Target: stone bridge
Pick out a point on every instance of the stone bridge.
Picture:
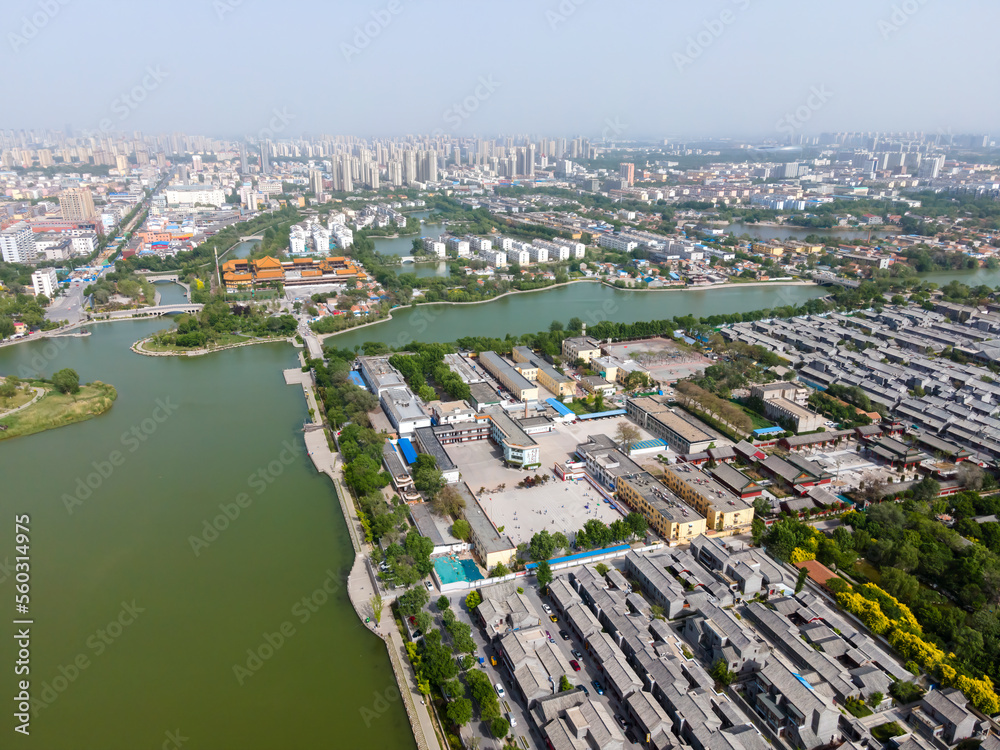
(150, 312)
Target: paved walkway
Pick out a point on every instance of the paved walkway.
(362, 582)
(39, 392)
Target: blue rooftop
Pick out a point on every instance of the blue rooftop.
(602, 414)
(559, 407)
(768, 430)
(406, 447)
(355, 377)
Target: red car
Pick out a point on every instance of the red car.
(575, 664)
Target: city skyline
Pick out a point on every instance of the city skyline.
(735, 68)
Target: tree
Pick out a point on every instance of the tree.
(721, 674)
(461, 528)
(500, 727)
(8, 389)
(424, 620)
(602, 569)
(800, 582)
(543, 574)
(971, 475)
(542, 546)
(560, 540)
(413, 600)
(443, 603)
(872, 489)
(6, 327)
(66, 381)
(499, 570)
(926, 490)
(627, 435)
(448, 501)
(761, 507)
(377, 604)
(459, 711)
(473, 600)
(565, 684)
(637, 524)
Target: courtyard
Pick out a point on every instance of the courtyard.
(665, 360)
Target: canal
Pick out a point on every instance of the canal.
(174, 539)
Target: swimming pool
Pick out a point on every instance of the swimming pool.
(450, 570)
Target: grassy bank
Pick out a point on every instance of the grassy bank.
(59, 409)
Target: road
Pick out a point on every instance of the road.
(68, 306)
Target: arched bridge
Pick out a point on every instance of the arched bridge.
(151, 312)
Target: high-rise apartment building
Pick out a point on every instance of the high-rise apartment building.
(77, 204)
(17, 243)
(627, 172)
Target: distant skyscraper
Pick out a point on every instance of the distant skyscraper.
(77, 204)
(396, 173)
(243, 159)
(316, 183)
(346, 180)
(265, 166)
(410, 167)
(627, 172)
(529, 160)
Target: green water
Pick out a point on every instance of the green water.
(591, 302)
(170, 668)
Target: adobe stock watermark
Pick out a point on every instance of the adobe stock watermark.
(99, 642)
(131, 440)
(900, 16)
(613, 128)
(561, 13)
(461, 111)
(126, 103)
(301, 612)
(381, 702)
(365, 34)
(259, 481)
(224, 7)
(794, 121)
(42, 358)
(32, 25)
(277, 124)
(714, 28)
(174, 740)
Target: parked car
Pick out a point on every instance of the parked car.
(575, 664)
(500, 691)
(576, 654)
(597, 687)
(547, 608)
(553, 618)
(564, 635)
(511, 719)
(585, 691)
(417, 634)
(621, 722)
(551, 639)
(429, 585)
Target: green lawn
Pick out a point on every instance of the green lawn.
(58, 409)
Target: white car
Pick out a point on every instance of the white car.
(500, 691)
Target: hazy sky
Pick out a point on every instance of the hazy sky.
(631, 69)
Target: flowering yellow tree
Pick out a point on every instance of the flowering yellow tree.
(801, 555)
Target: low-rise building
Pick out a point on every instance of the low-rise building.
(580, 348)
(679, 432)
(404, 410)
(723, 510)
